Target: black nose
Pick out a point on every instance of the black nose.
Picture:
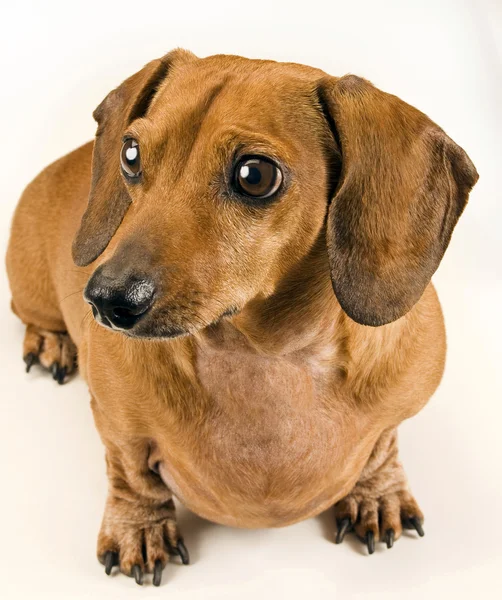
(119, 301)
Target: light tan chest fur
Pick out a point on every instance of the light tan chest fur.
(279, 437)
(241, 438)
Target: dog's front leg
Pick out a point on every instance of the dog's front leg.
(380, 504)
(139, 530)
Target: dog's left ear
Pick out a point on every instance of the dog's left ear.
(403, 185)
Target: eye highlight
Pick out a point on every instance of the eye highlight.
(130, 158)
(257, 177)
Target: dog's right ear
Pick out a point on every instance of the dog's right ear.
(402, 188)
(108, 198)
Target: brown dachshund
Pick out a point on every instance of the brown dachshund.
(254, 242)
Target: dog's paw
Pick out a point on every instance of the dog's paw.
(55, 351)
(139, 548)
(376, 519)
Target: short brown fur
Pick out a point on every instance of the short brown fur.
(287, 405)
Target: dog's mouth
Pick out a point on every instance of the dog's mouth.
(152, 329)
(156, 324)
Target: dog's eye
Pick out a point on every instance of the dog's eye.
(129, 158)
(257, 177)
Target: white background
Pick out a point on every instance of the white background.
(58, 60)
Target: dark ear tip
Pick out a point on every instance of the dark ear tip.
(80, 254)
(371, 319)
(79, 262)
(368, 311)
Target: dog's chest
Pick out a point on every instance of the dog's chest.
(260, 407)
(270, 445)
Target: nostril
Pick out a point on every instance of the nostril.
(122, 313)
(127, 316)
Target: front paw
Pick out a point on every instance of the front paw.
(377, 517)
(139, 539)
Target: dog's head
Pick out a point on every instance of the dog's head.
(213, 177)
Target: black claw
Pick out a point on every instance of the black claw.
(389, 537)
(415, 522)
(30, 360)
(137, 574)
(342, 527)
(58, 373)
(370, 541)
(183, 552)
(62, 375)
(157, 573)
(55, 370)
(109, 561)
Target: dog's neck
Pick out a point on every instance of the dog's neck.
(302, 316)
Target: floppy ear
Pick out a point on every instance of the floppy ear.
(108, 198)
(403, 185)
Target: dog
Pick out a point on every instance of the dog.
(242, 258)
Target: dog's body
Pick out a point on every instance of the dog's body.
(277, 404)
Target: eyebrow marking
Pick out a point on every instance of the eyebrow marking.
(197, 115)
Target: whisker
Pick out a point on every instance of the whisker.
(79, 271)
(86, 315)
(69, 295)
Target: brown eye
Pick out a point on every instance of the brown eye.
(129, 158)
(257, 177)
